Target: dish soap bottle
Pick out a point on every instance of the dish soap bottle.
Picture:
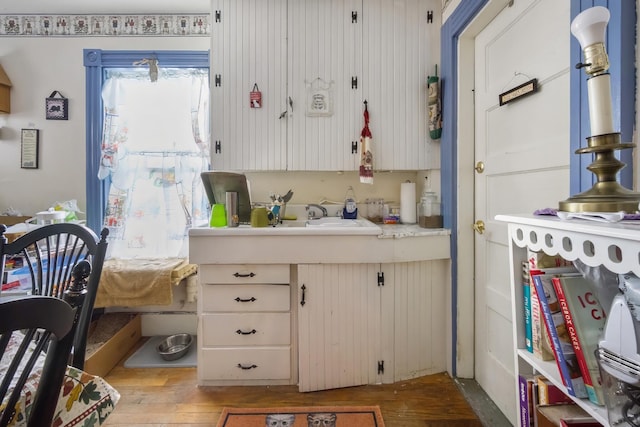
(350, 210)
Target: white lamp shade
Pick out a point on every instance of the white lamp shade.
(590, 25)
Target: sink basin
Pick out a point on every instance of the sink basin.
(337, 222)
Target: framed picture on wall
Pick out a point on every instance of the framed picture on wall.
(29, 149)
(57, 108)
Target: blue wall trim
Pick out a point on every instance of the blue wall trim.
(449, 37)
(621, 50)
(95, 61)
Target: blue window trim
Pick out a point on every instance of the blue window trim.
(95, 61)
(621, 50)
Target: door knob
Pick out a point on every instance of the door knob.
(479, 167)
(479, 226)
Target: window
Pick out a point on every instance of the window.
(152, 144)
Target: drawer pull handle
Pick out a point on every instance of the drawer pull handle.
(303, 302)
(252, 299)
(241, 332)
(244, 275)
(246, 368)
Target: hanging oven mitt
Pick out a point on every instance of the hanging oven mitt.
(435, 113)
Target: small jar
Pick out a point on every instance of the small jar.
(429, 211)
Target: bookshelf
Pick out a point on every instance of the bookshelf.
(615, 246)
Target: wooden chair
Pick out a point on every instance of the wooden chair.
(50, 253)
(39, 324)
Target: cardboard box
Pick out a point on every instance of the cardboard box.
(104, 358)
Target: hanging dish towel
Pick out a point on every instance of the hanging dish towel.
(366, 157)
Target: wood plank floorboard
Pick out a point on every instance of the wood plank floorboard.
(155, 397)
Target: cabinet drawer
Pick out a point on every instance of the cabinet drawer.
(239, 329)
(243, 298)
(244, 273)
(267, 363)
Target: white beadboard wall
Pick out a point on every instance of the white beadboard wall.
(254, 35)
(325, 44)
(401, 51)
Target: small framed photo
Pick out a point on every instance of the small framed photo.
(57, 108)
(29, 149)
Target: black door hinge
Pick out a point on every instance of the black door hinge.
(354, 16)
(354, 82)
(354, 147)
(218, 15)
(430, 17)
(381, 367)
(381, 278)
(218, 147)
(218, 80)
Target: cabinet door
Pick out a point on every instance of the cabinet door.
(419, 321)
(325, 47)
(338, 325)
(401, 49)
(249, 47)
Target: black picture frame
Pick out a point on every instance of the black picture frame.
(57, 108)
(29, 148)
(518, 92)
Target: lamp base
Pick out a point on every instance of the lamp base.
(608, 196)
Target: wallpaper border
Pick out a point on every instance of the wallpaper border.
(105, 25)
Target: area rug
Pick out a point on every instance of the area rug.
(303, 416)
(147, 356)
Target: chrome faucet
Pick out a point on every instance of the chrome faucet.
(312, 213)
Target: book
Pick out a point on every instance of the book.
(549, 393)
(525, 390)
(540, 341)
(526, 301)
(550, 416)
(579, 422)
(585, 320)
(562, 348)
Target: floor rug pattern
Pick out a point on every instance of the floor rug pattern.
(303, 416)
(147, 356)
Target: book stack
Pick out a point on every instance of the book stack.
(574, 320)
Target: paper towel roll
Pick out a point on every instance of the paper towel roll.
(408, 202)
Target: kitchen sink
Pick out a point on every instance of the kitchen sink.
(328, 222)
(338, 222)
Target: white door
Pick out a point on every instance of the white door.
(524, 146)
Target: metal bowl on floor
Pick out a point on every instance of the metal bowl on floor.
(175, 346)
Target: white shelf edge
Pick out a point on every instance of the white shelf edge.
(549, 370)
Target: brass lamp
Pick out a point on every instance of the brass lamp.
(606, 195)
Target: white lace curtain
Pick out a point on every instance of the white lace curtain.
(154, 147)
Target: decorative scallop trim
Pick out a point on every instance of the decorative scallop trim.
(105, 25)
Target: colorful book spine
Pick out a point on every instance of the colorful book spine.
(528, 331)
(539, 337)
(525, 388)
(554, 322)
(585, 320)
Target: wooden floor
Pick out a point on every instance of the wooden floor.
(171, 397)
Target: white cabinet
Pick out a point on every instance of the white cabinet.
(248, 47)
(335, 52)
(244, 326)
(614, 246)
(401, 48)
(370, 323)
